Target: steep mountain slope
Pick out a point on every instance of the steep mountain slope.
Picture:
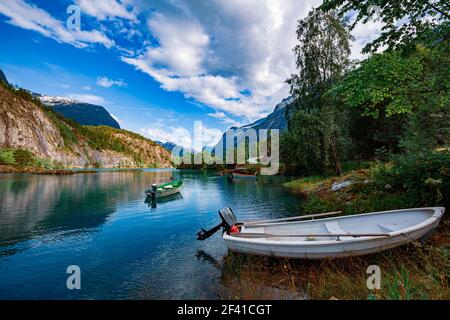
(3, 78)
(170, 146)
(278, 119)
(26, 124)
(84, 113)
(167, 145)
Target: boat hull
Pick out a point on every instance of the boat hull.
(164, 193)
(243, 176)
(331, 248)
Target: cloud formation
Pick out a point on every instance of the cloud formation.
(182, 136)
(30, 17)
(231, 56)
(107, 9)
(214, 51)
(179, 135)
(87, 98)
(105, 82)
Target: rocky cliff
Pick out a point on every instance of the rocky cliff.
(25, 124)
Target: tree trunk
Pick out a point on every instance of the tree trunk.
(337, 162)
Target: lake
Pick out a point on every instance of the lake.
(125, 248)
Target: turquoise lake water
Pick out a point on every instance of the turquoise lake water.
(125, 248)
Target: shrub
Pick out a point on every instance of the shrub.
(24, 157)
(7, 157)
(424, 176)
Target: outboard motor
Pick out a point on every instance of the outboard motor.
(229, 224)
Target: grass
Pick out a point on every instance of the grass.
(413, 271)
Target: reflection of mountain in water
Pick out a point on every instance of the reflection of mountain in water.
(34, 205)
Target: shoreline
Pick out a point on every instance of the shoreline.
(66, 171)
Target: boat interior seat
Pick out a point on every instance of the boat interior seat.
(388, 227)
(334, 227)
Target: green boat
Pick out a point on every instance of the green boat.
(165, 190)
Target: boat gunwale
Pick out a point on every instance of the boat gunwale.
(438, 212)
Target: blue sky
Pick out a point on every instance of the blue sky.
(158, 66)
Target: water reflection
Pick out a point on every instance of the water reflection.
(32, 205)
(152, 202)
(102, 223)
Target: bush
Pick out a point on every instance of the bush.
(424, 176)
(7, 157)
(24, 157)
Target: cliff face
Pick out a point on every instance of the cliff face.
(25, 125)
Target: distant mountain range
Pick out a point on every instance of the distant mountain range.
(278, 119)
(170, 146)
(84, 113)
(167, 145)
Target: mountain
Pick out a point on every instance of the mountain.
(25, 123)
(3, 78)
(167, 145)
(84, 113)
(278, 119)
(170, 146)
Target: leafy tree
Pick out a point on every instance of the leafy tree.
(402, 20)
(322, 53)
(24, 157)
(413, 81)
(322, 59)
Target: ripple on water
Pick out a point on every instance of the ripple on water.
(124, 248)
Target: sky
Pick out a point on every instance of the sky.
(159, 65)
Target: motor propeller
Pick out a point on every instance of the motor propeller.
(228, 222)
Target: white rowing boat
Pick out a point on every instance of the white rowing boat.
(329, 237)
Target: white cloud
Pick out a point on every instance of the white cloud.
(182, 46)
(30, 17)
(88, 98)
(107, 83)
(178, 135)
(182, 137)
(225, 119)
(107, 9)
(211, 136)
(213, 50)
(119, 121)
(87, 88)
(364, 33)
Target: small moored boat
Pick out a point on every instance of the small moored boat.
(241, 175)
(326, 237)
(166, 189)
